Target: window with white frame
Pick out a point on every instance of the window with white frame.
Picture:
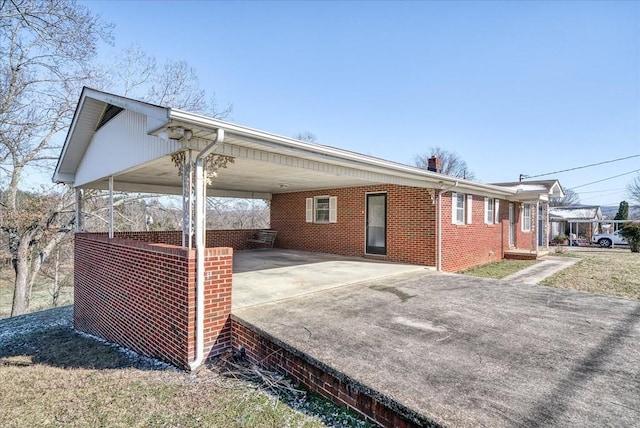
(489, 210)
(496, 209)
(458, 210)
(526, 217)
(322, 209)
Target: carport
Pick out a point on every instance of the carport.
(172, 284)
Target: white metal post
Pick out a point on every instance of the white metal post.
(79, 211)
(110, 206)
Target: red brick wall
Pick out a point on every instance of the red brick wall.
(322, 379)
(411, 227)
(468, 245)
(142, 296)
(236, 239)
(171, 237)
(411, 220)
(523, 239)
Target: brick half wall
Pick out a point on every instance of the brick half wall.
(316, 376)
(233, 238)
(142, 296)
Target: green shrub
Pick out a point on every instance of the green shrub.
(631, 232)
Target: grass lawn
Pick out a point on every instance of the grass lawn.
(52, 376)
(499, 270)
(41, 295)
(614, 272)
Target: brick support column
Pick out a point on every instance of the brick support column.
(142, 296)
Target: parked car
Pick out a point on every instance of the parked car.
(606, 239)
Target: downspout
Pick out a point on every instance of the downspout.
(200, 225)
(439, 226)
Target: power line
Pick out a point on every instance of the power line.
(582, 167)
(605, 179)
(605, 190)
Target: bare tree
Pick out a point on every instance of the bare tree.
(174, 84)
(571, 197)
(237, 213)
(450, 163)
(307, 136)
(634, 188)
(46, 52)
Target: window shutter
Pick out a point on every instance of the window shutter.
(469, 209)
(487, 220)
(333, 209)
(496, 210)
(454, 201)
(309, 210)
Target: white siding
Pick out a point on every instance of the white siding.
(120, 145)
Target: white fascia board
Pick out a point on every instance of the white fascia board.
(65, 146)
(530, 196)
(126, 186)
(334, 155)
(123, 186)
(60, 177)
(556, 190)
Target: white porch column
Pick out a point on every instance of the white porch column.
(535, 225)
(187, 200)
(110, 206)
(79, 211)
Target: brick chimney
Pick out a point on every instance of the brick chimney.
(433, 164)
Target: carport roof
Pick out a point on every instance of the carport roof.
(133, 141)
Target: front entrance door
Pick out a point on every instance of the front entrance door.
(512, 224)
(376, 229)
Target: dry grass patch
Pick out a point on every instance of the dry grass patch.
(499, 270)
(611, 272)
(52, 376)
(41, 295)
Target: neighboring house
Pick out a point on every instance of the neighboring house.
(321, 199)
(539, 206)
(581, 220)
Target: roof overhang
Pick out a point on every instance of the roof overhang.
(532, 191)
(135, 147)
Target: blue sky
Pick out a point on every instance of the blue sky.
(512, 87)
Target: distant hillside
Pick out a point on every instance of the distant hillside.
(609, 211)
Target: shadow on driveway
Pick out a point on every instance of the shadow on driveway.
(549, 409)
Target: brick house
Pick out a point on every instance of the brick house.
(322, 199)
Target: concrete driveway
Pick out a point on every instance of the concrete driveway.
(261, 276)
(472, 352)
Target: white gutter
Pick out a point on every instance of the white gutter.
(327, 153)
(200, 226)
(439, 227)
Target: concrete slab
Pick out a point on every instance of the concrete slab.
(541, 270)
(470, 352)
(269, 275)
